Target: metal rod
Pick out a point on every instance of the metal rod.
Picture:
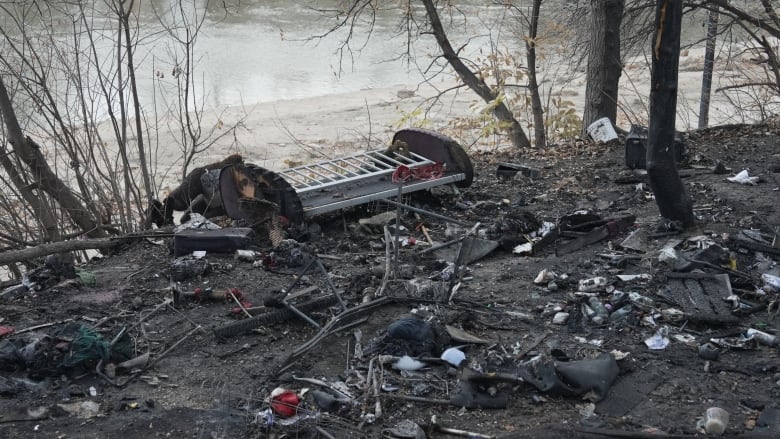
(460, 265)
(300, 314)
(300, 275)
(330, 284)
(425, 212)
(397, 228)
(443, 245)
(372, 164)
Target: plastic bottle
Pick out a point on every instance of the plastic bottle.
(600, 312)
(762, 337)
(621, 313)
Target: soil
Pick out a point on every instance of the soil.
(202, 386)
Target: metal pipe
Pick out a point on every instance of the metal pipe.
(443, 245)
(425, 212)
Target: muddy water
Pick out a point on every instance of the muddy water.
(265, 51)
(268, 50)
(252, 51)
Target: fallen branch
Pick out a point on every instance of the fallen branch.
(457, 432)
(11, 256)
(605, 432)
(44, 325)
(417, 399)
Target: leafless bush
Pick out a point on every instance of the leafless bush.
(69, 69)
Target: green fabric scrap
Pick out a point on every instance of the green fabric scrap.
(87, 277)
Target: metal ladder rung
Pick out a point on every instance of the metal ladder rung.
(293, 179)
(307, 178)
(370, 164)
(423, 160)
(345, 166)
(321, 175)
(323, 172)
(384, 158)
(362, 166)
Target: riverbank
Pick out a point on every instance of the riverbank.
(275, 134)
(279, 134)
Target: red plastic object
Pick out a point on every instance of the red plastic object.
(403, 173)
(5, 330)
(236, 292)
(285, 404)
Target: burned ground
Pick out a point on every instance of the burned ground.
(198, 385)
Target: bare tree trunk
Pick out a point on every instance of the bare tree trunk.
(38, 204)
(670, 195)
(709, 62)
(604, 64)
(29, 152)
(533, 85)
(139, 135)
(501, 111)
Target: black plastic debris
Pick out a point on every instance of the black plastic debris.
(636, 147)
(410, 336)
(472, 396)
(514, 227)
(218, 241)
(508, 171)
(328, 402)
(712, 255)
(473, 250)
(410, 328)
(593, 377)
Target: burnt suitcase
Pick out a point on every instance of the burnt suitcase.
(216, 241)
(636, 147)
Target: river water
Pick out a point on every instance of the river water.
(255, 51)
(265, 51)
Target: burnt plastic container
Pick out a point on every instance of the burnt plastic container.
(636, 147)
(216, 241)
